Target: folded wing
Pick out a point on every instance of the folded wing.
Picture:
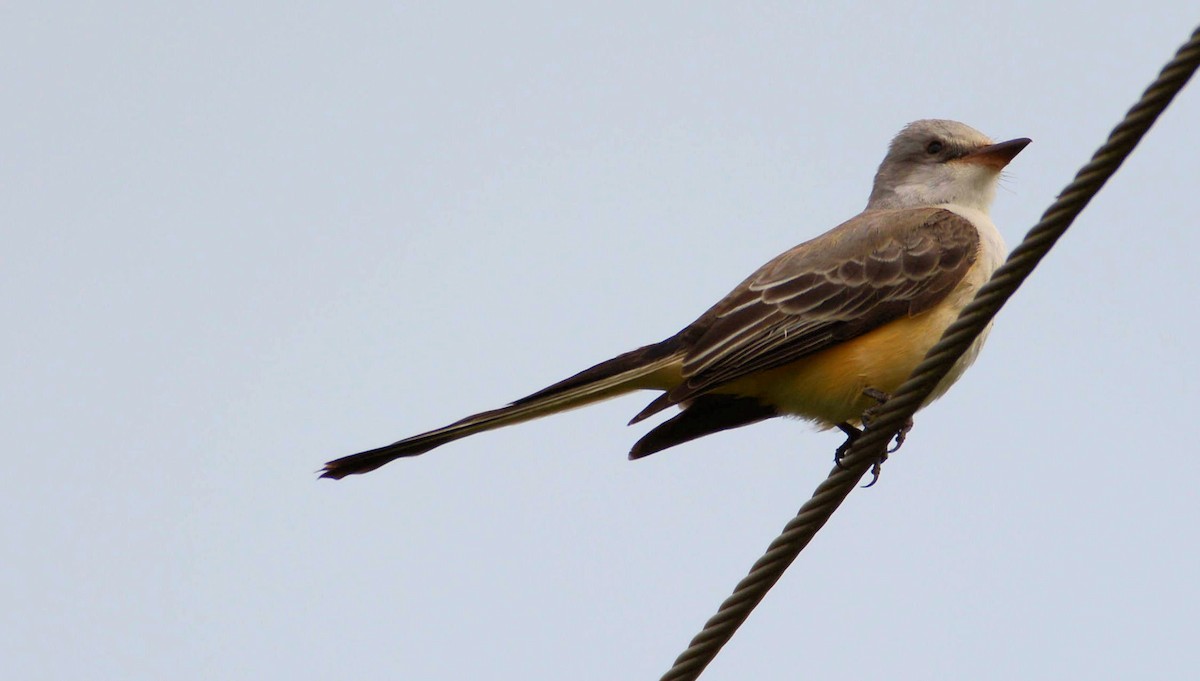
(878, 267)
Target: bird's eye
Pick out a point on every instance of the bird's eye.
(934, 147)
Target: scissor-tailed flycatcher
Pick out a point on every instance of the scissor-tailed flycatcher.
(816, 331)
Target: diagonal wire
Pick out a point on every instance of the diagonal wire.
(974, 318)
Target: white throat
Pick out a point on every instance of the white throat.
(961, 184)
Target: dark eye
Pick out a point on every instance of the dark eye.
(934, 147)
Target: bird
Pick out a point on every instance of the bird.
(823, 332)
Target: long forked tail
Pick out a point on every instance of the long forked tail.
(641, 368)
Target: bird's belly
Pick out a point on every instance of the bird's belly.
(827, 387)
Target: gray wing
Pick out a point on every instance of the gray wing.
(878, 267)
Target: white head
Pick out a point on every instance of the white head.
(935, 162)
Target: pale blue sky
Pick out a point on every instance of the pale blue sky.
(241, 241)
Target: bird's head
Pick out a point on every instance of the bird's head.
(934, 162)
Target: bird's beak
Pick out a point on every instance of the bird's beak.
(996, 156)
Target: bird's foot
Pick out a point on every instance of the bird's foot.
(869, 415)
(852, 434)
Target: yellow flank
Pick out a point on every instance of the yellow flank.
(827, 387)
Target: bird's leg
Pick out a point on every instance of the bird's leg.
(852, 434)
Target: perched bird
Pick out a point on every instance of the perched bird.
(822, 332)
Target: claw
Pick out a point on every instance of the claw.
(876, 469)
(901, 435)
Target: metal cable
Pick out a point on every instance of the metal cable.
(974, 318)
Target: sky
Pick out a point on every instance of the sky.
(242, 239)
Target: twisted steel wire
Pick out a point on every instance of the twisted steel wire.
(871, 446)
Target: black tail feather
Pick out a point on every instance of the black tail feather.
(705, 415)
(619, 375)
